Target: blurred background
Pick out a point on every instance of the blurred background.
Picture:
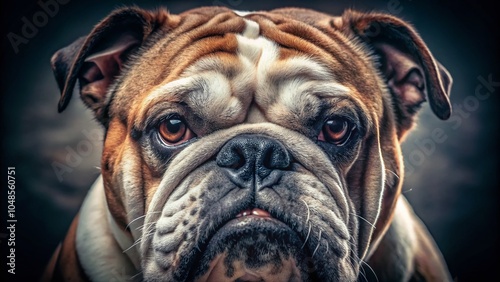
(452, 183)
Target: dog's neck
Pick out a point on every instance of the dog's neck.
(106, 252)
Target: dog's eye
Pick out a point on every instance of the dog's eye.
(174, 131)
(336, 130)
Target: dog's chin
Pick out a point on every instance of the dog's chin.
(253, 248)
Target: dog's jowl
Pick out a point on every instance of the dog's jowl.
(250, 146)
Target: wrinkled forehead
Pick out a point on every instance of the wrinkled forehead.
(247, 67)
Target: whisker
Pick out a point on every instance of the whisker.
(409, 190)
(319, 243)
(308, 210)
(371, 269)
(362, 272)
(134, 220)
(146, 235)
(361, 262)
(307, 237)
(139, 217)
(144, 225)
(134, 276)
(393, 173)
(138, 241)
(364, 219)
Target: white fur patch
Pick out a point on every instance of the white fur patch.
(242, 13)
(252, 29)
(98, 250)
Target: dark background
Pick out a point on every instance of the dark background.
(453, 185)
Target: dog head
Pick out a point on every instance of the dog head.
(261, 145)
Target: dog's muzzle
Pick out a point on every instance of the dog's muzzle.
(244, 215)
(254, 246)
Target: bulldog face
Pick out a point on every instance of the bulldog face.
(252, 146)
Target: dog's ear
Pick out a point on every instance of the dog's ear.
(95, 61)
(411, 72)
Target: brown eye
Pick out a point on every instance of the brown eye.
(336, 131)
(174, 131)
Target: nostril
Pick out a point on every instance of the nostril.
(238, 160)
(233, 158)
(275, 157)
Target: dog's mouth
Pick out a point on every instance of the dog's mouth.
(240, 242)
(252, 246)
(254, 212)
(245, 243)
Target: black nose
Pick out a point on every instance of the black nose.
(249, 157)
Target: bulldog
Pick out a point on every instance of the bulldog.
(250, 146)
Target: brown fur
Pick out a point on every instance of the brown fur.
(64, 264)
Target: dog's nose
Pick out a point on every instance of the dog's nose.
(254, 157)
